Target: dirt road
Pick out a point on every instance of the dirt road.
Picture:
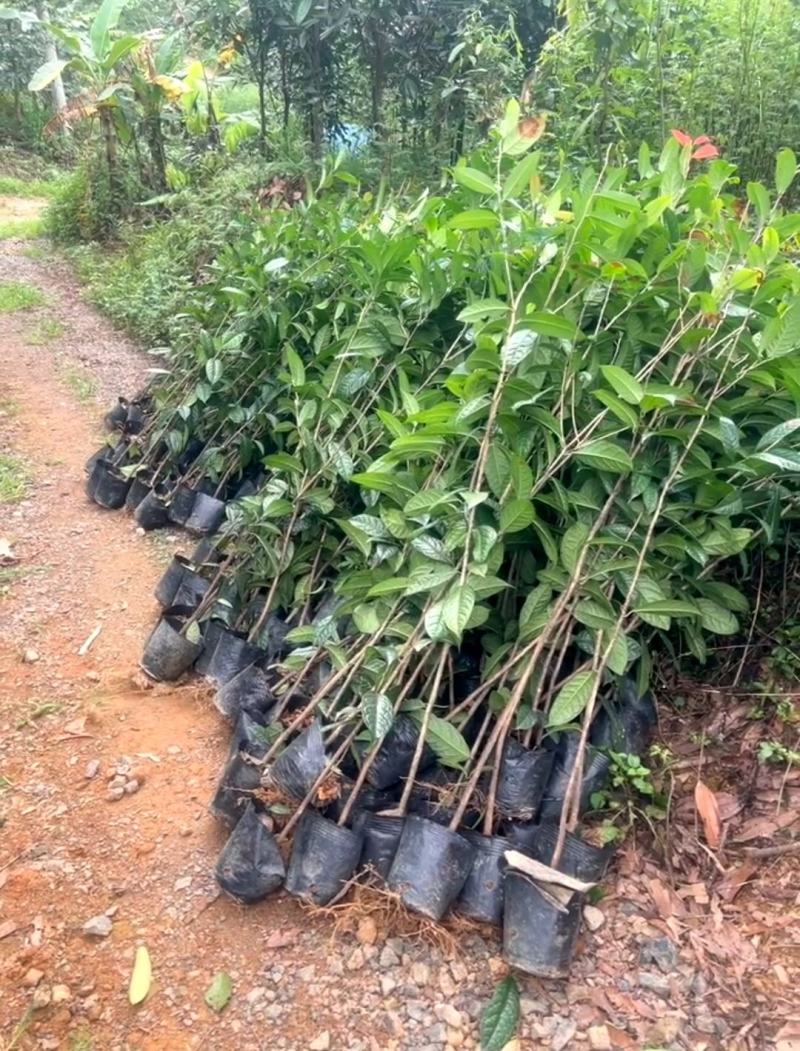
(672, 962)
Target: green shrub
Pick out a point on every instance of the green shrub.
(85, 207)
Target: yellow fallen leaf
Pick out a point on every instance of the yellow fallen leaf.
(141, 976)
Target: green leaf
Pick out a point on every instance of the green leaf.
(366, 619)
(296, 368)
(572, 543)
(104, 21)
(624, 413)
(388, 586)
(618, 655)
(782, 334)
(572, 698)
(547, 324)
(785, 170)
(473, 179)
(457, 607)
(378, 714)
(520, 175)
(758, 196)
(498, 469)
(431, 547)
(301, 9)
(219, 992)
(474, 219)
(46, 74)
(483, 308)
(500, 1017)
(605, 455)
(518, 346)
(435, 624)
(625, 385)
(141, 976)
(516, 515)
(214, 370)
(447, 742)
(716, 618)
(776, 434)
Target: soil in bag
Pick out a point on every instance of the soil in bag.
(300, 764)
(538, 937)
(181, 503)
(208, 514)
(140, 487)
(167, 653)
(240, 779)
(232, 654)
(626, 722)
(250, 866)
(580, 859)
(381, 834)
(430, 867)
(114, 419)
(151, 512)
(168, 585)
(595, 774)
(324, 857)
(107, 486)
(212, 630)
(481, 897)
(394, 757)
(522, 780)
(246, 692)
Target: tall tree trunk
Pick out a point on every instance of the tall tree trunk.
(110, 142)
(315, 116)
(285, 92)
(155, 144)
(51, 55)
(262, 100)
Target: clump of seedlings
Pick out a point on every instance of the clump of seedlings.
(457, 470)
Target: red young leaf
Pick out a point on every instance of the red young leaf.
(682, 137)
(701, 140)
(705, 153)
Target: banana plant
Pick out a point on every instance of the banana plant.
(97, 61)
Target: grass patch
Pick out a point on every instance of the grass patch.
(16, 295)
(35, 251)
(8, 408)
(44, 331)
(13, 480)
(11, 186)
(82, 385)
(7, 577)
(33, 227)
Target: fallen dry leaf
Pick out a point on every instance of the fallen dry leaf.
(756, 828)
(6, 928)
(707, 808)
(735, 880)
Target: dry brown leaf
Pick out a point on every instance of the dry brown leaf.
(707, 808)
(756, 828)
(6, 928)
(661, 897)
(735, 880)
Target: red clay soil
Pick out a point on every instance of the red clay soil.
(717, 944)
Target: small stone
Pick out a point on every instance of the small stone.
(599, 1038)
(98, 927)
(437, 1034)
(367, 933)
(563, 1034)
(449, 1014)
(455, 1038)
(93, 676)
(86, 989)
(41, 998)
(594, 917)
(656, 983)
(174, 749)
(131, 787)
(664, 1032)
(30, 656)
(183, 883)
(256, 994)
(420, 973)
(322, 1042)
(186, 831)
(356, 960)
(115, 793)
(659, 951)
(388, 957)
(61, 994)
(705, 1023)
(32, 978)
(388, 985)
(92, 769)
(458, 971)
